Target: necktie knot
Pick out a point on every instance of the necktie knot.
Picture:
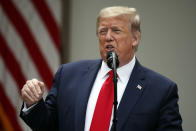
(111, 73)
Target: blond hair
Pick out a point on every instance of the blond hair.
(131, 13)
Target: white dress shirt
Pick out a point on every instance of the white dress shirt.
(123, 72)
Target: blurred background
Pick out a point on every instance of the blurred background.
(36, 36)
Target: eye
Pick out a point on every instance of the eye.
(117, 31)
(103, 32)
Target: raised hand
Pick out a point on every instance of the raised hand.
(32, 91)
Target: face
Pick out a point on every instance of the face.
(115, 35)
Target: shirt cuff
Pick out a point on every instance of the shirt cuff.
(26, 109)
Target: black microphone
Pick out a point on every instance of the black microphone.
(113, 63)
(112, 60)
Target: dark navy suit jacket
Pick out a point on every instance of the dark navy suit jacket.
(153, 108)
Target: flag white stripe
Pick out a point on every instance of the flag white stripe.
(56, 9)
(43, 38)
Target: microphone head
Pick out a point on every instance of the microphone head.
(111, 58)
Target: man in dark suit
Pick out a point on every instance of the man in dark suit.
(147, 100)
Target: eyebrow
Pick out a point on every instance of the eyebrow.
(104, 27)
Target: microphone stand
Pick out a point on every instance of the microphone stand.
(115, 103)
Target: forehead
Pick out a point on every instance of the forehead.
(118, 21)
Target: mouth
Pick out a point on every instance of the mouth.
(109, 48)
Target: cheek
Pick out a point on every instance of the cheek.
(101, 45)
(124, 46)
(102, 50)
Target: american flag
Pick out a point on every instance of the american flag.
(29, 48)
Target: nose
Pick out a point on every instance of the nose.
(109, 36)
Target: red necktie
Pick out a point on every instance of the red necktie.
(103, 108)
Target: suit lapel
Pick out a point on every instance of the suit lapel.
(131, 95)
(84, 89)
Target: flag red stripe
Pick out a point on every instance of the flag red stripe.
(11, 63)
(48, 20)
(29, 41)
(10, 111)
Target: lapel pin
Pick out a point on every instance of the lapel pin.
(139, 87)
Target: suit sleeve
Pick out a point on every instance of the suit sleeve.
(43, 116)
(170, 119)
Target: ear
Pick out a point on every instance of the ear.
(136, 39)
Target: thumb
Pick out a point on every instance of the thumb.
(42, 85)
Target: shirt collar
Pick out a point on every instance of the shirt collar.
(123, 72)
